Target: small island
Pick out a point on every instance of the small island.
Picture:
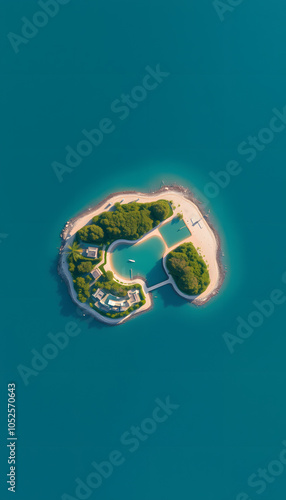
(190, 260)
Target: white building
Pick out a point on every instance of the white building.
(134, 296)
(96, 273)
(99, 294)
(92, 252)
(117, 303)
(108, 302)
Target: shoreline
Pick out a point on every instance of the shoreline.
(176, 189)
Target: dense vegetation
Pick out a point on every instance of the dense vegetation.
(78, 264)
(188, 269)
(80, 267)
(81, 285)
(130, 221)
(107, 282)
(74, 252)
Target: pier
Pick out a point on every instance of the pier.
(163, 283)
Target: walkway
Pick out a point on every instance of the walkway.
(163, 283)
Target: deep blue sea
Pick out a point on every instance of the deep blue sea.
(214, 83)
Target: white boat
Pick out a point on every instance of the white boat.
(131, 260)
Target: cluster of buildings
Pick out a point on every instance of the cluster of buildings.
(110, 303)
(103, 299)
(92, 253)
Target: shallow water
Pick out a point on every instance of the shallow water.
(148, 260)
(174, 231)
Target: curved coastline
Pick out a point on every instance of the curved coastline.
(84, 217)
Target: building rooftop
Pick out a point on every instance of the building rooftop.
(134, 296)
(92, 252)
(116, 303)
(96, 273)
(98, 294)
(106, 301)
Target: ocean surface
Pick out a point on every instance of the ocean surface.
(217, 83)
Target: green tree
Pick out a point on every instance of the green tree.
(82, 287)
(109, 275)
(177, 265)
(71, 267)
(160, 210)
(82, 298)
(188, 269)
(189, 283)
(129, 221)
(96, 233)
(74, 251)
(85, 267)
(91, 234)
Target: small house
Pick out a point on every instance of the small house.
(96, 273)
(91, 252)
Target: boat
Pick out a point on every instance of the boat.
(131, 260)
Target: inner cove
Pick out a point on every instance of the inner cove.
(148, 260)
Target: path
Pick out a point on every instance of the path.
(163, 283)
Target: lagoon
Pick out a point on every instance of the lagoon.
(148, 260)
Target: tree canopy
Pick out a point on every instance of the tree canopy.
(160, 210)
(91, 234)
(74, 251)
(188, 269)
(85, 267)
(129, 221)
(108, 283)
(108, 276)
(82, 288)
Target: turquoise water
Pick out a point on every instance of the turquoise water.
(225, 79)
(174, 231)
(148, 260)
